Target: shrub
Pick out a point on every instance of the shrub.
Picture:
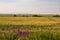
(56, 16)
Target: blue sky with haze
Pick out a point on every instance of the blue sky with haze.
(30, 6)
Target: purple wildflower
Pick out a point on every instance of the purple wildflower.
(22, 33)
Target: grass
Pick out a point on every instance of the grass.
(33, 28)
(39, 35)
(28, 20)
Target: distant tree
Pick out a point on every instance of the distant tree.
(36, 16)
(14, 15)
(56, 16)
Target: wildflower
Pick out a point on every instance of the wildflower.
(22, 33)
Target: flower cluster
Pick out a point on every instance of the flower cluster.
(22, 33)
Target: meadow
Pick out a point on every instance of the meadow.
(29, 28)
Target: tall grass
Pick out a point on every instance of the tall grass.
(15, 32)
(40, 35)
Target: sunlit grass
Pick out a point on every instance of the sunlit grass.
(29, 28)
(28, 20)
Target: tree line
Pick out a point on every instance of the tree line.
(34, 15)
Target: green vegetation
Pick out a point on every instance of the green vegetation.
(7, 32)
(29, 28)
(56, 16)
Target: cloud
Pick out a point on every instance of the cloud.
(7, 8)
(27, 1)
(7, 1)
(30, 6)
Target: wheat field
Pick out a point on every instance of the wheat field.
(29, 28)
(29, 20)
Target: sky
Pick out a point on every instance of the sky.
(29, 6)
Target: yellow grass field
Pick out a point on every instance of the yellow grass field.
(29, 20)
(53, 22)
(38, 28)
